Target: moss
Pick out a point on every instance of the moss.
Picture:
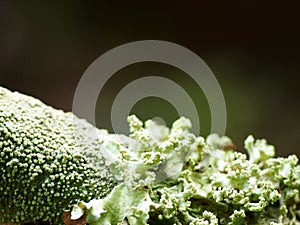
(49, 160)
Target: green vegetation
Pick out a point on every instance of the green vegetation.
(51, 159)
(48, 160)
(171, 176)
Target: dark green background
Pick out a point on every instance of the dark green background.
(252, 48)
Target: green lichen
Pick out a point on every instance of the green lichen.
(187, 179)
(158, 175)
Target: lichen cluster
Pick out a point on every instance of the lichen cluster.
(181, 179)
(48, 160)
(158, 175)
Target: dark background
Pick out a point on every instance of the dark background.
(252, 48)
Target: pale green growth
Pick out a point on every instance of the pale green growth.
(49, 159)
(185, 179)
(157, 176)
(259, 150)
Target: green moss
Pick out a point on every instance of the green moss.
(49, 160)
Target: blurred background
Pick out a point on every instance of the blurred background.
(252, 48)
